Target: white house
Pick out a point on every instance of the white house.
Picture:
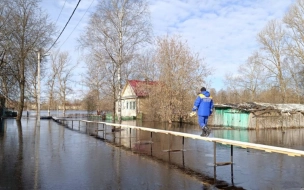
(134, 93)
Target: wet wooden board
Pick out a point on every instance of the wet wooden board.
(266, 148)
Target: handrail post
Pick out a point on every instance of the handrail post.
(97, 130)
(151, 143)
(232, 181)
(103, 127)
(169, 148)
(183, 156)
(214, 153)
(104, 131)
(130, 139)
(231, 153)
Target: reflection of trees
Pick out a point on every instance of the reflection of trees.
(2, 146)
(291, 138)
(1, 128)
(19, 162)
(37, 145)
(166, 148)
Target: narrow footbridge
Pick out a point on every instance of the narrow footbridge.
(232, 143)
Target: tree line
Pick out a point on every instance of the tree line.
(24, 30)
(274, 71)
(25, 33)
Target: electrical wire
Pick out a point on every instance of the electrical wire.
(64, 27)
(60, 12)
(77, 24)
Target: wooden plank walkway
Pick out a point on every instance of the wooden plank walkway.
(232, 143)
(266, 148)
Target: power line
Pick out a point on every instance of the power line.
(77, 24)
(60, 11)
(64, 27)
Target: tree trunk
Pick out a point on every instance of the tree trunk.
(21, 100)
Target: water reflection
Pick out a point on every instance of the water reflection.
(1, 127)
(291, 138)
(36, 158)
(163, 147)
(166, 148)
(19, 164)
(56, 157)
(11, 155)
(53, 156)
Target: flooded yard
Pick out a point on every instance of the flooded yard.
(53, 156)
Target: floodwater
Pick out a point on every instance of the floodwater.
(54, 156)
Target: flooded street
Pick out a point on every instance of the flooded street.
(53, 156)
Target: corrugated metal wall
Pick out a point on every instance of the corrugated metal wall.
(229, 117)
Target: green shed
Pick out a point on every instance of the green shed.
(230, 117)
(253, 115)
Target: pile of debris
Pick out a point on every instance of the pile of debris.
(255, 106)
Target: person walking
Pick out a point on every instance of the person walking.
(203, 105)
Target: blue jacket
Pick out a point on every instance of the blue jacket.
(203, 104)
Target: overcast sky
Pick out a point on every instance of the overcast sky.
(223, 32)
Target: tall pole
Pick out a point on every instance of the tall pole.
(119, 68)
(38, 90)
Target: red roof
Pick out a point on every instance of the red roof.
(140, 87)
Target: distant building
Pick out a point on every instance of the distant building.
(255, 115)
(134, 95)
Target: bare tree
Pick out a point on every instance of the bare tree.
(89, 103)
(280, 60)
(6, 80)
(26, 28)
(145, 68)
(222, 96)
(294, 68)
(273, 44)
(182, 74)
(99, 79)
(116, 30)
(301, 74)
(52, 79)
(250, 77)
(294, 20)
(64, 77)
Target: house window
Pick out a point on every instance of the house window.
(133, 105)
(127, 104)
